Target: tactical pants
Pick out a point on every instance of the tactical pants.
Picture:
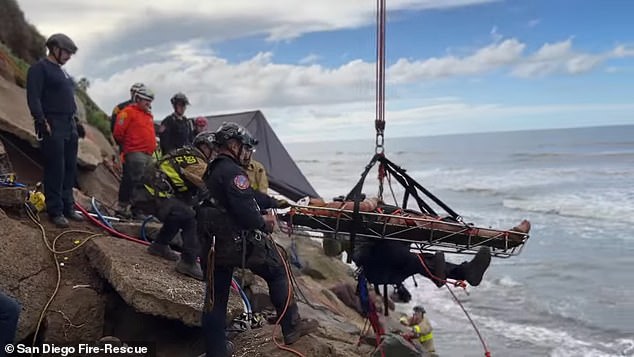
(272, 270)
(59, 151)
(390, 262)
(176, 216)
(133, 169)
(9, 313)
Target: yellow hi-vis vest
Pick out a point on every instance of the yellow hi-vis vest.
(171, 167)
(422, 338)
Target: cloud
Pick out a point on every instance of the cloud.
(216, 85)
(560, 57)
(488, 58)
(311, 58)
(115, 27)
(534, 22)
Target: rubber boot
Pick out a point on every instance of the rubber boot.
(191, 269)
(439, 269)
(163, 250)
(474, 270)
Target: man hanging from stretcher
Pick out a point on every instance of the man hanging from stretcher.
(389, 261)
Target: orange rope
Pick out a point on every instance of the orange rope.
(288, 300)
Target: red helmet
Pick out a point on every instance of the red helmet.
(201, 121)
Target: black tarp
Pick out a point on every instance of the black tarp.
(284, 175)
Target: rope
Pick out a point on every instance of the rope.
(52, 248)
(487, 353)
(101, 217)
(288, 301)
(457, 283)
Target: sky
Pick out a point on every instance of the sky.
(453, 66)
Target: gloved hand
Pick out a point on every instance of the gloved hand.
(41, 129)
(283, 204)
(81, 131)
(269, 224)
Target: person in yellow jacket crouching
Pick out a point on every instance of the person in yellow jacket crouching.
(421, 330)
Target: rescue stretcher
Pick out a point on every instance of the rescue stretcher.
(429, 232)
(425, 227)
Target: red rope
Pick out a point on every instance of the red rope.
(462, 284)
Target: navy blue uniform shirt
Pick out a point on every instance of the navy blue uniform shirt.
(50, 91)
(229, 185)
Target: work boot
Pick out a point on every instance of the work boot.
(190, 269)
(474, 271)
(74, 216)
(60, 221)
(439, 269)
(163, 250)
(303, 327)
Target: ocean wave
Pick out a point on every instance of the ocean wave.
(609, 206)
(493, 183)
(307, 161)
(563, 343)
(535, 156)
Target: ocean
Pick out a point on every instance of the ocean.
(570, 292)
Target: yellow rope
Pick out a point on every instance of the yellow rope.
(35, 219)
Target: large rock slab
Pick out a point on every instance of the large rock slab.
(150, 284)
(29, 283)
(100, 183)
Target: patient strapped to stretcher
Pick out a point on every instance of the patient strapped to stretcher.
(388, 261)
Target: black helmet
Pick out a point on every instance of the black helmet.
(419, 308)
(179, 98)
(61, 41)
(230, 130)
(206, 137)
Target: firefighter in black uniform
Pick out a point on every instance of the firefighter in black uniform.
(235, 234)
(51, 98)
(176, 130)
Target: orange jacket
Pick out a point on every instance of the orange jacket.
(134, 130)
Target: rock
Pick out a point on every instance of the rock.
(25, 282)
(16, 119)
(97, 138)
(88, 155)
(133, 228)
(5, 162)
(147, 283)
(100, 183)
(330, 270)
(12, 197)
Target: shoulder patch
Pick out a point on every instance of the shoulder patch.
(241, 182)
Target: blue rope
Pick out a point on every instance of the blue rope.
(364, 296)
(101, 217)
(145, 221)
(12, 184)
(243, 295)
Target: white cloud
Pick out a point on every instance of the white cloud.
(534, 22)
(312, 96)
(311, 58)
(561, 57)
(483, 60)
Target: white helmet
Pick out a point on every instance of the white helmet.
(144, 93)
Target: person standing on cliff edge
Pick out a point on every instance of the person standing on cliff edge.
(50, 93)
